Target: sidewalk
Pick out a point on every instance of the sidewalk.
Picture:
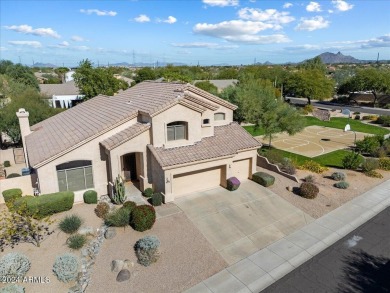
(268, 265)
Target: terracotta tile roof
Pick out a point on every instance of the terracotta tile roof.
(64, 131)
(68, 88)
(227, 141)
(124, 135)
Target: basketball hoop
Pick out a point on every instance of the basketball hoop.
(347, 128)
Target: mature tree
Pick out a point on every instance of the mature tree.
(33, 102)
(314, 63)
(375, 80)
(60, 71)
(207, 86)
(145, 73)
(230, 94)
(265, 110)
(95, 81)
(310, 84)
(227, 73)
(19, 73)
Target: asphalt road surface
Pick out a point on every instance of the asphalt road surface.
(358, 263)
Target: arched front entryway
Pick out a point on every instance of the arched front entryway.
(132, 166)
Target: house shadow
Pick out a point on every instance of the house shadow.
(364, 273)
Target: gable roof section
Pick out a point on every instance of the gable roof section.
(124, 135)
(68, 130)
(228, 140)
(68, 88)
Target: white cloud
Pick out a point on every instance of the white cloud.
(34, 44)
(82, 48)
(312, 24)
(3, 49)
(313, 7)
(240, 31)
(271, 16)
(341, 5)
(142, 18)
(287, 5)
(28, 30)
(77, 39)
(377, 42)
(63, 44)
(303, 47)
(197, 45)
(221, 3)
(98, 12)
(170, 20)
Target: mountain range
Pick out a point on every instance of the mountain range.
(329, 58)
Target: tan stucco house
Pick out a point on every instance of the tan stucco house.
(172, 137)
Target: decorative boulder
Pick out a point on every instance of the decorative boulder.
(117, 265)
(123, 275)
(86, 231)
(110, 233)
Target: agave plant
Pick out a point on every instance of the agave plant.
(119, 196)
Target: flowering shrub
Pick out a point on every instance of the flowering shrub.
(233, 183)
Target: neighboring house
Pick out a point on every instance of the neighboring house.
(69, 76)
(172, 137)
(221, 84)
(63, 95)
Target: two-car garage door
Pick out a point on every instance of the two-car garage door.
(197, 180)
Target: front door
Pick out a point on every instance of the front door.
(129, 167)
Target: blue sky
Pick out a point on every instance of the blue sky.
(207, 32)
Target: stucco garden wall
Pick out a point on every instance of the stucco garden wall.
(23, 182)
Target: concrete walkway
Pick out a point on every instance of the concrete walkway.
(264, 267)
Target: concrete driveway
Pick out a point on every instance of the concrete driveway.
(241, 222)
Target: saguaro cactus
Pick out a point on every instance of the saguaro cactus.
(119, 196)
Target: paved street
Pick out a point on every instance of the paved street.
(359, 262)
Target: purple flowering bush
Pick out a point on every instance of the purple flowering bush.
(233, 183)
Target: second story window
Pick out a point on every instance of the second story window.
(177, 130)
(219, 116)
(206, 121)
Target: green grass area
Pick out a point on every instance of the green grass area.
(339, 123)
(332, 159)
(335, 122)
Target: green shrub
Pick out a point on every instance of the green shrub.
(357, 117)
(10, 195)
(157, 199)
(369, 145)
(143, 218)
(232, 183)
(76, 241)
(90, 196)
(384, 120)
(130, 205)
(118, 218)
(352, 161)
(310, 179)
(370, 117)
(308, 190)
(384, 164)
(308, 109)
(313, 166)
(66, 267)
(146, 250)
(263, 179)
(373, 174)
(13, 175)
(7, 164)
(370, 164)
(341, 185)
(102, 209)
(70, 224)
(288, 166)
(148, 192)
(12, 288)
(14, 265)
(274, 156)
(338, 176)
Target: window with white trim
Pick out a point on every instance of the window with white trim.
(75, 175)
(177, 130)
(219, 116)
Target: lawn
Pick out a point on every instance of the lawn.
(333, 159)
(335, 122)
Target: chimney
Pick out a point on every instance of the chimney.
(24, 124)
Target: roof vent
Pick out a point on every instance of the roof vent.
(128, 102)
(179, 90)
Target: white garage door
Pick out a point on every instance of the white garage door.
(242, 169)
(195, 181)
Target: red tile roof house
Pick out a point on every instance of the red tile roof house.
(172, 137)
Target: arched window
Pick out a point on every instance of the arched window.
(177, 130)
(75, 175)
(219, 116)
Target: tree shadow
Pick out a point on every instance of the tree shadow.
(365, 273)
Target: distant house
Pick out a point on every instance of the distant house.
(64, 95)
(221, 84)
(172, 137)
(69, 76)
